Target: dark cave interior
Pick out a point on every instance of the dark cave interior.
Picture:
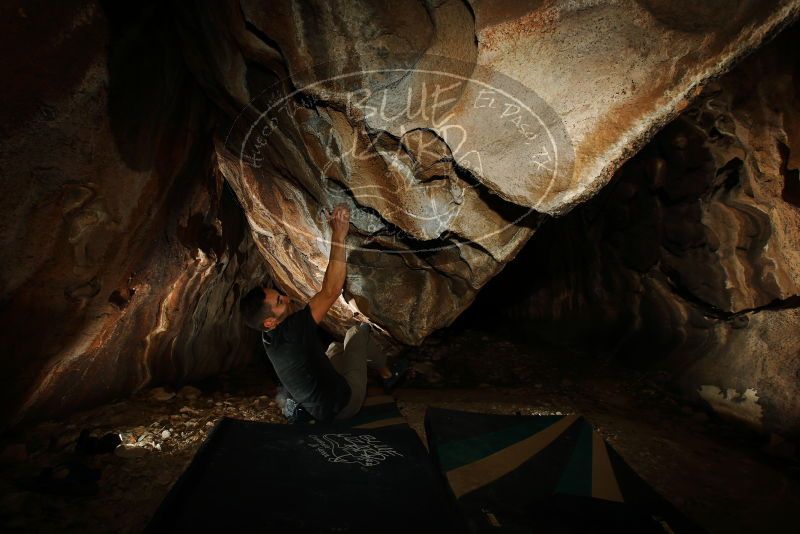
(656, 290)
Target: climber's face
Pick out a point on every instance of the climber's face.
(281, 306)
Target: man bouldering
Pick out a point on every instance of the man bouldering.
(326, 387)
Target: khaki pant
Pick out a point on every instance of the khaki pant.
(351, 360)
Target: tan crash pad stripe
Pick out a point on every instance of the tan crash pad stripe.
(472, 476)
(380, 399)
(604, 483)
(383, 422)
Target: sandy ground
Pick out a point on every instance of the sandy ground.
(715, 472)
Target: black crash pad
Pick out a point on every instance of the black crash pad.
(371, 474)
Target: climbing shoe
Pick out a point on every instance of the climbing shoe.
(399, 369)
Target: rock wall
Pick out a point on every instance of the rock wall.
(124, 251)
(689, 260)
(449, 128)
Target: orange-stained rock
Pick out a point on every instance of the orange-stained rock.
(158, 161)
(450, 142)
(124, 252)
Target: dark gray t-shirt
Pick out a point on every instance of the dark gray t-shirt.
(305, 371)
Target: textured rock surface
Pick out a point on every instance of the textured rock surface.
(690, 259)
(125, 250)
(446, 188)
(121, 248)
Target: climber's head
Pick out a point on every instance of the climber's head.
(263, 308)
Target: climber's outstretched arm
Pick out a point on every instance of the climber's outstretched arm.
(333, 282)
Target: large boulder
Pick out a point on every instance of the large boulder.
(449, 129)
